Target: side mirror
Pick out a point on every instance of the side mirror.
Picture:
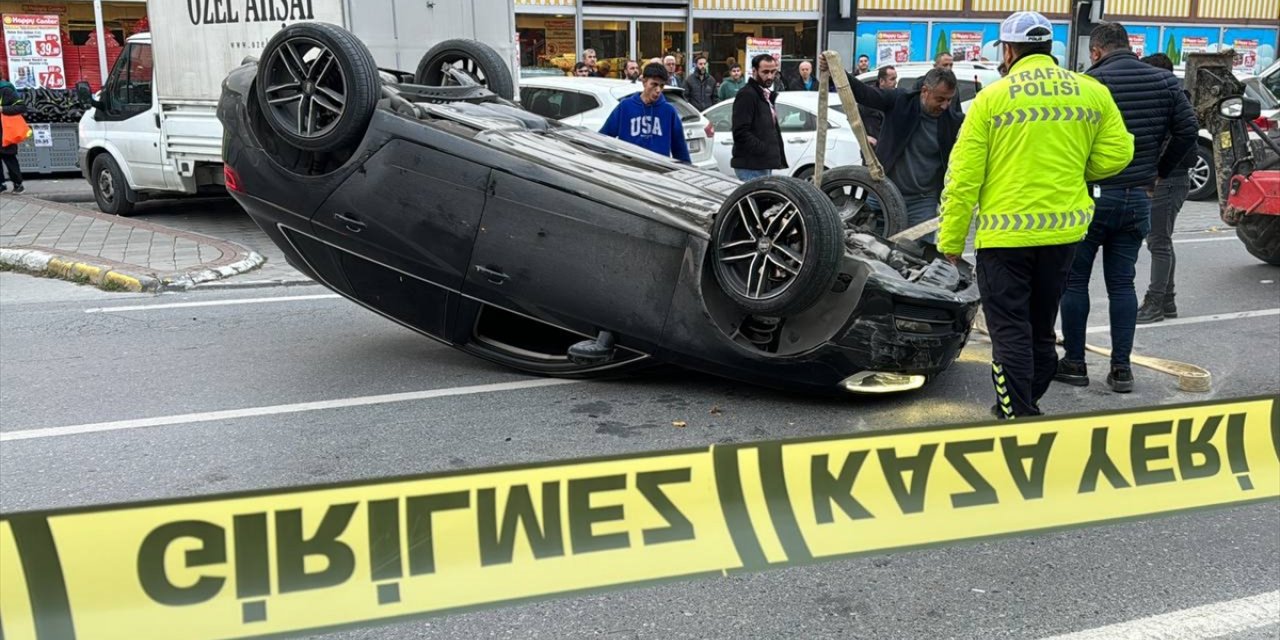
(84, 94)
(1240, 108)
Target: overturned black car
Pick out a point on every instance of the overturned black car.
(432, 199)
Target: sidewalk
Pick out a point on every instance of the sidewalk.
(111, 252)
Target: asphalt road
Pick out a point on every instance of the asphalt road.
(69, 359)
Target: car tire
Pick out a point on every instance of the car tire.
(802, 255)
(473, 58)
(110, 189)
(850, 185)
(1261, 237)
(1203, 178)
(330, 111)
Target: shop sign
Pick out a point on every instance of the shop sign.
(966, 45)
(1246, 54)
(1138, 43)
(1194, 44)
(771, 46)
(561, 37)
(892, 47)
(34, 45)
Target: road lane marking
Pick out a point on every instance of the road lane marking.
(1195, 240)
(1209, 621)
(1260, 313)
(211, 303)
(232, 414)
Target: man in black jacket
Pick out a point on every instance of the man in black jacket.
(700, 86)
(1167, 200)
(1157, 113)
(757, 139)
(872, 119)
(916, 138)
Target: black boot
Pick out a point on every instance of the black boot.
(1170, 309)
(1152, 309)
(1073, 373)
(1120, 379)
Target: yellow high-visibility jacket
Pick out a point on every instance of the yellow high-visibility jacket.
(1029, 144)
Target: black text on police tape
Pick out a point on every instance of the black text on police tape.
(396, 524)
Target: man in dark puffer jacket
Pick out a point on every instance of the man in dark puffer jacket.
(1155, 110)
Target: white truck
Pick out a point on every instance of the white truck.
(152, 130)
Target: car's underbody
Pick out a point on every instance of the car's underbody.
(558, 251)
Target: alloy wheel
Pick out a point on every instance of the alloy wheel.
(306, 88)
(762, 246)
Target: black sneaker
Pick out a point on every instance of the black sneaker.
(1073, 373)
(1170, 309)
(18, 189)
(1120, 379)
(1152, 309)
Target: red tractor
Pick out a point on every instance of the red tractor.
(1248, 165)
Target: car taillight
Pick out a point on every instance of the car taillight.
(231, 178)
(1264, 123)
(711, 130)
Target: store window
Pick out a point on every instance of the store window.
(612, 41)
(725, 41)
(657, 39)
(547, 42)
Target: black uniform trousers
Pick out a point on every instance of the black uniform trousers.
(1021, 290)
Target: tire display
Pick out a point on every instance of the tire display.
(318, 86)
(777, 243)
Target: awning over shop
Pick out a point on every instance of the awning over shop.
(911, 5)
(758, 5)
(1049, 7)
(1246, 9)
(1150, 8)
(544, 3)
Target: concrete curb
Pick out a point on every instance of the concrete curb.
(47, 264)
(107, 278)
(193, 278)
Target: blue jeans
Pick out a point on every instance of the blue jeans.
(751, 174)
(1122, 218)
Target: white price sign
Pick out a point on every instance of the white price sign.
(42, 135)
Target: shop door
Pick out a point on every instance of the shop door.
(611, 39)
(657, 39)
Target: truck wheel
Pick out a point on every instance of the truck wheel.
(110, 188)
(777, 244)
(849, 187)
(1261, 237)
(1203, 178)
(318, 86)
(458, 62)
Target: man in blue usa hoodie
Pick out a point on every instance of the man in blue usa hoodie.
(646, 119)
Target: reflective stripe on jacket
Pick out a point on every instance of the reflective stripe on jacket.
(1029, 144)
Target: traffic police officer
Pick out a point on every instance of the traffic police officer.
(1030, 143)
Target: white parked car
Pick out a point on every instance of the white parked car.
(970, 76)
(798, 119)
(587, 103)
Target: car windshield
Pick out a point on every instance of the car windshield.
(1254, 88)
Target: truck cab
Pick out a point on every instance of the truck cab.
(131, 148)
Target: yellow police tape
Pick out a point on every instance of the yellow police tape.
(285, 561)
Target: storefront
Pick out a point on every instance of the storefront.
(73, 55)
(554, 32)
(903, 31)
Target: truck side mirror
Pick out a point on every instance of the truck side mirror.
(1240, 108)
(84, 94)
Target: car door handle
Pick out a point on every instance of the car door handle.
(727, 142)
(797, 140)
(354, 225)
(494, 275)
